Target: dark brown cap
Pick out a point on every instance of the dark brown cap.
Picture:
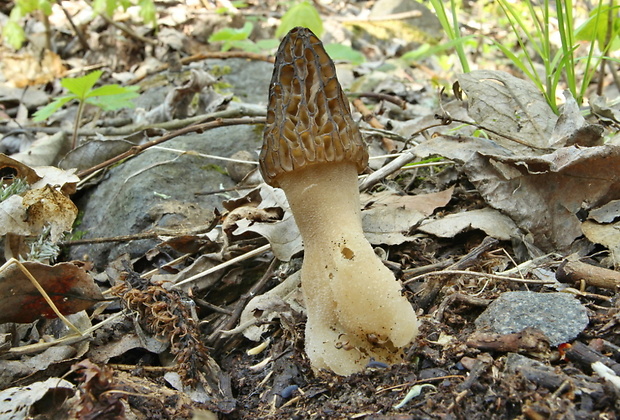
(308, 118)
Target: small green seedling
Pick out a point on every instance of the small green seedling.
(301, 14)
(15, 36)
(108, 98)
(13, 32)
(340, 52)
(146, 9)
(239, 38)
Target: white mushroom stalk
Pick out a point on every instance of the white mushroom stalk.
(313, 150)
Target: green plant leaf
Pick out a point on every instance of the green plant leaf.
(244, 45)
(148, 13)
(80, 86)
(302, 14)
(268, 44)
(108, 90)
(45, 112)
(344, 53)
(26, 6)
(114, 101)
(106, 7)
(232, 34)
(595, 28)
(45, 7)
(107, 97)
(14, 34)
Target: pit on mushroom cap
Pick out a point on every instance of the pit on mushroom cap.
(313, 150)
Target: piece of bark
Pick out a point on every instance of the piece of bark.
(460, 298)
(482, 363)
(530, 340)
(534, 371)
(584, 356)
(576, 271)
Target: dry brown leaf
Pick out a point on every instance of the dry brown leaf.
(542, 194)
(70, 287)
(11, 168)
(491, 221)
(48, 206)
(425, 204)
(508, 105)
(26, 69)
(605, 234)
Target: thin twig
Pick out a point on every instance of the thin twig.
(206, 56)
(67, 340)
(370, 118)
(497, 133)
(245, 110)
(225, 264)
(214, 338)
(77, 31)
(192, 128)
(380, 96)
(395, 165)
(474, 273)
(131, 33)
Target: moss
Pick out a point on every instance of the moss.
(219, 71)
(214, 167)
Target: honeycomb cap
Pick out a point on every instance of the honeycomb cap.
(308, 117)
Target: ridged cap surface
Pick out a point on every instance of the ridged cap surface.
(308, 118)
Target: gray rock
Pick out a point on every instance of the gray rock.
(559, 315)
(249, 79)
(158, 189)
(426, 22)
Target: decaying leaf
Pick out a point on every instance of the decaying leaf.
(602, 109)
(45, 150)
(93, 153)
(12, 169)
(491, 221)
(542, 194)
(283, 235)
(47, 206)
(44, 204)
(424, 204)
(29, 214)
(573, 129)
(70, 287)
(64, 180)
(18, 402)
(28, 69)
(605, 234)
(511, 106)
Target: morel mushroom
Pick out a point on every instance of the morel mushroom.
(314, 151)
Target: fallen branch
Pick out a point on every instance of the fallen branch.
(191, 129)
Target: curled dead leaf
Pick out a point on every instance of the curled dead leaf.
(48, 206)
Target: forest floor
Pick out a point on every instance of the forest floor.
(476, 188)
